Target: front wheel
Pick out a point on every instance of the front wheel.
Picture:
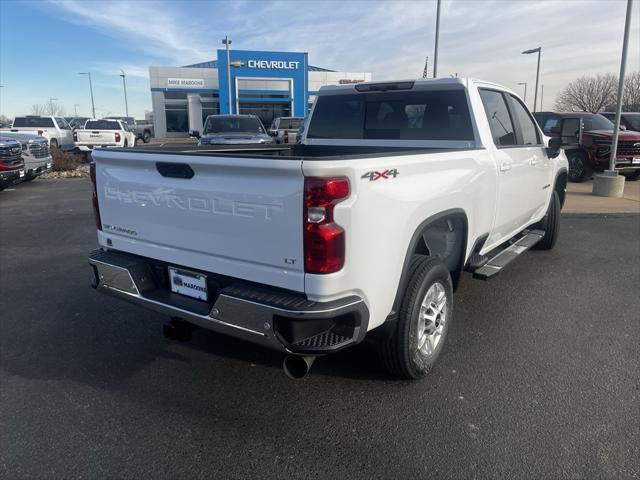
(580, 169)
(427, 308)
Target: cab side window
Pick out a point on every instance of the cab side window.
(499, 118)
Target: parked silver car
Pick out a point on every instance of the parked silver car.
(232, 130)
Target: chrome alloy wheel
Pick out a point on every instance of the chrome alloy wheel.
(432, 319)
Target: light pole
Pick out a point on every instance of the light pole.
(435, 53)
(623, 67)
(541, 97)
(539, 52)
(51, 99)
(227, 41)
(75, 108)
(525, 90)
(124, 84)
(93, 107)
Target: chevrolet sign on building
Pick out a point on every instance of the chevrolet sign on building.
(266, 84)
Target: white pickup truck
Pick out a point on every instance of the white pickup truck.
(103, 133)
(55, 129)
(363, 229)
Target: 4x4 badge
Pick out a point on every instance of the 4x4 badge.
(385, 175)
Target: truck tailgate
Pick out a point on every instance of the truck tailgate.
(96, 137)
(240, 217)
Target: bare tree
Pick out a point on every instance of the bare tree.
(587, 94)
(631, 96)
(49, 108)
(37, 109)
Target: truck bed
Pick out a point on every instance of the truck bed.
(293, 151)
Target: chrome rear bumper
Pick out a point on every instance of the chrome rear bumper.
(282, 321)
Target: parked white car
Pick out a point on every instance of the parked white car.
(102, 134)
(35, 153)
(55, 129)
(364, 229)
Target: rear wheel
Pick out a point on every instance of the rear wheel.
(427, 307)
(550, 224)
(146, 137)
(632, 176)
(579, 167)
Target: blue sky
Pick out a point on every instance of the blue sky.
(43, 44)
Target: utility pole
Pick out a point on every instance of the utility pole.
(124, 84)
(51, 105)
(435, 53)
(227, 41)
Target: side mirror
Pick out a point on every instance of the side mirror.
(194, 133)
(273, 133)
(571, 132)
(622, 127)
(555, 144)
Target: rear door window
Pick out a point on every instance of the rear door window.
(499, 118)
(527, 127)
(411, 115)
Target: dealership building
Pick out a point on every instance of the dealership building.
(266, 84)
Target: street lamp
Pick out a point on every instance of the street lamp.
(51, 99)
(539, 52)
(525, 90)
(227, 41)
(124, 84)
(435, 53)
(93, 107)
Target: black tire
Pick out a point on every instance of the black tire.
(146, 137)
(399, 351)
(28, 179)
(632, 176)
(53, 143)
(550, 224)
(580, 169)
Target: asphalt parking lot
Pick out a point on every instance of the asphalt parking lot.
(540, 377)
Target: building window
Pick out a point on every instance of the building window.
(177, 118)
(266, 111)
(210, 105)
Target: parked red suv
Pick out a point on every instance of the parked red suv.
(631, 120)
(594, 150)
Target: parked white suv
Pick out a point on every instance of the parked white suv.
(55, 129)
(363, 229)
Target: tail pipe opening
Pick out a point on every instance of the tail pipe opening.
(296, 367)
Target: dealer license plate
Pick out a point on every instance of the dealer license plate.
(188, 283)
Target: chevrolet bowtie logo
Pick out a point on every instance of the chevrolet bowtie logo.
(237, 63)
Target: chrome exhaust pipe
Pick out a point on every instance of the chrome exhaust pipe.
(296, 367)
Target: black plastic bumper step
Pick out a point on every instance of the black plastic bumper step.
(495, 265)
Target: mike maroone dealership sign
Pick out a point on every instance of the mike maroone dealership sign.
(185, 82)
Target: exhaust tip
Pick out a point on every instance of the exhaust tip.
(296, 367)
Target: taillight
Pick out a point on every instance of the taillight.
(324, 240)
(117, 137)
(286, 137)
(96, 207)
(75, 136)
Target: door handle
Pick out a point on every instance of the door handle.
(505, 167)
